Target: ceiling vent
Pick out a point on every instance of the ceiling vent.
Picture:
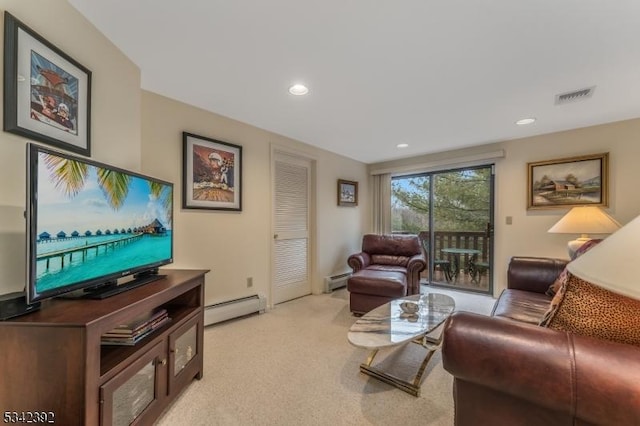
(576, 95)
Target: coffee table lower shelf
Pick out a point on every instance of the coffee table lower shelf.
(411, 387)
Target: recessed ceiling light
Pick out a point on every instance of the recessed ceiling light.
(525, 121)
(298, 89)
(402, 145)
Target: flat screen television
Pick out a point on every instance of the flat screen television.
(93, 230)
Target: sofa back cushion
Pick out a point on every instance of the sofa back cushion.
(533, 273)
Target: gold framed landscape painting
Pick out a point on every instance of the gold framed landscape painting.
(569, 182)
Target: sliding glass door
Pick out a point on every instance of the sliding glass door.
(452, 213)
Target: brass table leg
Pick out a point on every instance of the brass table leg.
(413, 388)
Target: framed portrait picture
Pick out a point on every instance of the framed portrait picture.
(212, 174)
(347, 193)
(47, 94)
(569, 182)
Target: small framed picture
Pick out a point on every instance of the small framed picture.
(347, 193)
(569, 182)
(212, 174)
(47, 94)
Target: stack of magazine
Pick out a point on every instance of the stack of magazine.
(131, 333)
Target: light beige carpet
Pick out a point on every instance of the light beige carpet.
(294, 366)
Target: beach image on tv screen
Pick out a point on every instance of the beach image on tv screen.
(93, 221)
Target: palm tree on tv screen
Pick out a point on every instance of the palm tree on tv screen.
(70, 176)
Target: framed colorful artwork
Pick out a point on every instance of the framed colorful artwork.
(347, 193)
(569, 182)
(212, 174)
(47, 94)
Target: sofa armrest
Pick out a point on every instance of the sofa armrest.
(534, 274)
(594, 380)
(359, 261)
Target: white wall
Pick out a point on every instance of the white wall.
(528, 236)
(115, 118)
(237, 245)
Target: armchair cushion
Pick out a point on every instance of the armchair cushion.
(386, 259)
(394, 245)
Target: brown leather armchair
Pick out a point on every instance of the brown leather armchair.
(388, 267)
(509, 371)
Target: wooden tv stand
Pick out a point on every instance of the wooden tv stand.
(53, 366)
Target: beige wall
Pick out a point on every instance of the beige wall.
(115, 115)
(233, 245)
(528, 234)
(142, 131)
(237, 245)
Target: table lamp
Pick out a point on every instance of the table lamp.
(584, 220)
(612, 263)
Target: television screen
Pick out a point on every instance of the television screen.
(89, 223)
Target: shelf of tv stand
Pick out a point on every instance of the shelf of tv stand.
(113, 356)
(58, 348)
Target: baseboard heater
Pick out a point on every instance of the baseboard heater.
(335, 281)
(236, 308)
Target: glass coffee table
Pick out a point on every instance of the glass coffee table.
(388, 326)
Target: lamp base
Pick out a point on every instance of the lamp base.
(574, 245)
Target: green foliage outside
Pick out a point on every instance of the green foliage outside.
(460, 201)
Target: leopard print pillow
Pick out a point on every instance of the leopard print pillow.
(583, 308)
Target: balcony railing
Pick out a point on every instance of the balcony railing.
(458, 240)
(466, 240)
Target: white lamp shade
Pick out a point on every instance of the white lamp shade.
(612, 264)
(585, 220)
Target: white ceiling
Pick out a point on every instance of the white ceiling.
(437, 75)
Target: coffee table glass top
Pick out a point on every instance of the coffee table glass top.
(388, 325)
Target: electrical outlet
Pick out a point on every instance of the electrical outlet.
(249, 282)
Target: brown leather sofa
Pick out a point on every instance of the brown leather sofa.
(510, 371)
(388, 267)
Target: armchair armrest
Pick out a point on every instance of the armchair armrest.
(593, 380)
(415, 265)
(359, 261)
(534, 274)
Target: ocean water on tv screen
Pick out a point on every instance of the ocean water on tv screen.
(105, 254)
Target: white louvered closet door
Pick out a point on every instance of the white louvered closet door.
(291, 228)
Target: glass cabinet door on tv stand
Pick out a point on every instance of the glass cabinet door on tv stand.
(134, 392)
(185, 349)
